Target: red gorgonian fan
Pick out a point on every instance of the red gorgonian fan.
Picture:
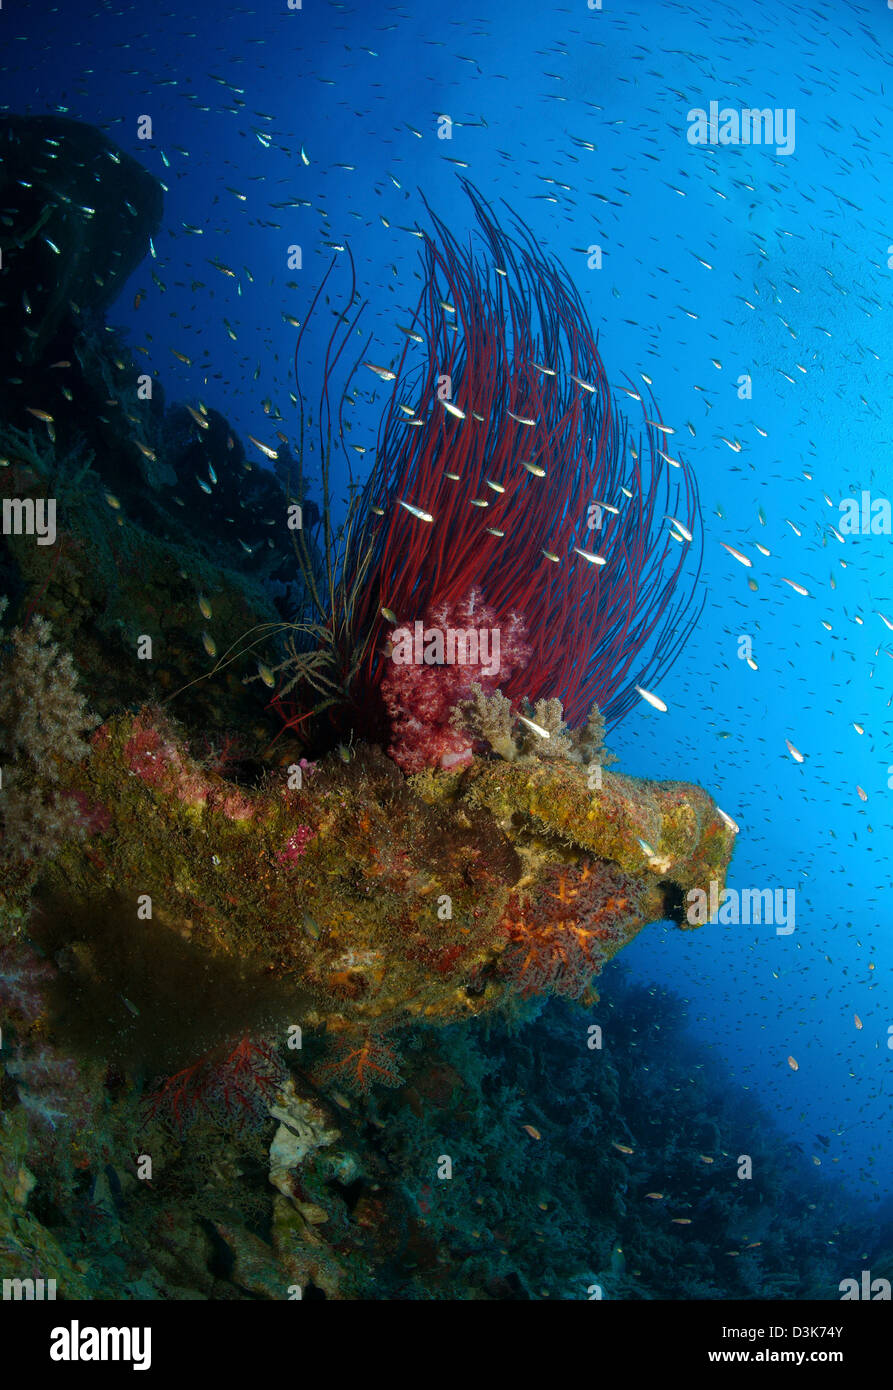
(504, 467)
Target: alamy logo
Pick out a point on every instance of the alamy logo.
(28, 1289)
(873, 1290)
(865, 516)
(745, 127)
(25, 516)
(451, 646)
(742, 906)
(76, 1343)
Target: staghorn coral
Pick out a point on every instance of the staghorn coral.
(43, 723)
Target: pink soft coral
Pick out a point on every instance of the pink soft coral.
(152, 755)
(296, 845)
(420, 694)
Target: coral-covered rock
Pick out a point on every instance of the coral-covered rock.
(370, 899)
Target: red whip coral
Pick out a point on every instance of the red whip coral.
(433, 666)
(504, 466)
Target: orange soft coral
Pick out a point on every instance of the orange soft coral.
(565, 932)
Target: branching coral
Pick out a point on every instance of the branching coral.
(550, 738)
(236, 1086)
(533, 731)
(490, 719)
(563, 933)
(360, 1064)
(43, 723)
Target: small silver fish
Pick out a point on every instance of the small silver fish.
(384, 372)
(534, 728)
(654, 700)
(415, 511)
(590, 556)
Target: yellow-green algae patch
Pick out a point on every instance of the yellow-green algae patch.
(672, 829)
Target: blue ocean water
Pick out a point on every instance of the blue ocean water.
(748, 282)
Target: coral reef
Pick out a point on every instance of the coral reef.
(258, 985)
(532, 731)
(458, 648)
(515, 480)
(619, 1182)
(519, 480)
